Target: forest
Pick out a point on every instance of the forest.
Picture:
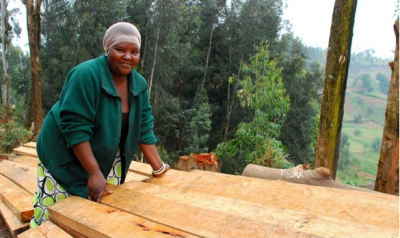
(224, 77)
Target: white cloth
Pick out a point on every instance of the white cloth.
(121, 32)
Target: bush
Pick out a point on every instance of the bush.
(356, 132)
(13, 134)
(358, 119)
(376, 143)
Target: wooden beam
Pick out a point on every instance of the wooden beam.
(31, 233)
(30, 144)
(301, 222)
(49, 229)
(13, 223)
(376, 209)
(22, 175)
(141, 168)
(98, 220)
(187, 216)
(17, 199)
(27, 160)
(25, 151)
(131, 176)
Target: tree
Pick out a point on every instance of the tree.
(34, 19)
(5, 28)
(336, 71)
(387, 178)
(302, 83)
(384, 82)
(262, 91)
(366, 83)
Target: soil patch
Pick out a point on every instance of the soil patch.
(366, 175)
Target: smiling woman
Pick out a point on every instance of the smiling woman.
(91, 134)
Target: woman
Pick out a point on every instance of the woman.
(90, 135)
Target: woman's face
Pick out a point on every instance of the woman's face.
(123, 57)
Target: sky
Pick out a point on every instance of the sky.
(311, 22)
(373, 25)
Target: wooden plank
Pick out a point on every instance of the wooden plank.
(141, 168)
(98, 220)
(30, 144)
(193, 219)
(13, 223)
(289, 219)
(131, 176)
(22, 175)
(49, 229)
(17, 199)
(71, 232)
(376, 209)
(25, 151)
(27, 160)
(31, 233)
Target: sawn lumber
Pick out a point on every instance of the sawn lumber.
(13, 223)
(267, 214)
(47, 229)
(17, 199)
(22, 175)
(98, 220)
(192, 219)
(25, 151)
(376, 209)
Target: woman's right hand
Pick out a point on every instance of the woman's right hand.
(96, 186)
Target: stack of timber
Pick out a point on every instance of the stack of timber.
(196, 204)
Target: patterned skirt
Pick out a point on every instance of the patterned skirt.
(50, 191)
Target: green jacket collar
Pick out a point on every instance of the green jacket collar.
(136, 86)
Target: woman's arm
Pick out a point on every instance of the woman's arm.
(96, 182)
(152, 156)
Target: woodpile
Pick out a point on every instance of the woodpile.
(197, 204)
(202, 161)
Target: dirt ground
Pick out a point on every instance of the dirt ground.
(4, 232)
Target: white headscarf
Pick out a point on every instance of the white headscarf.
(121, 32)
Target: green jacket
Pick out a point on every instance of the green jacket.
(89, 109)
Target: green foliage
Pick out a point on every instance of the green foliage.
(376, 143)
(303, 82)
(356, 132)
(365, 85)
(345, 157)
(198, 129)
(384, 82)
(344, 140)
(358, 119)
(263, 92)
(12, 135)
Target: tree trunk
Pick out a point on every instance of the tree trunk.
(5, 43)
(230, 102)
(387, 178)
(337, 64)
(154, 63)
(33, 17)
(208, 59)
(317, 177)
